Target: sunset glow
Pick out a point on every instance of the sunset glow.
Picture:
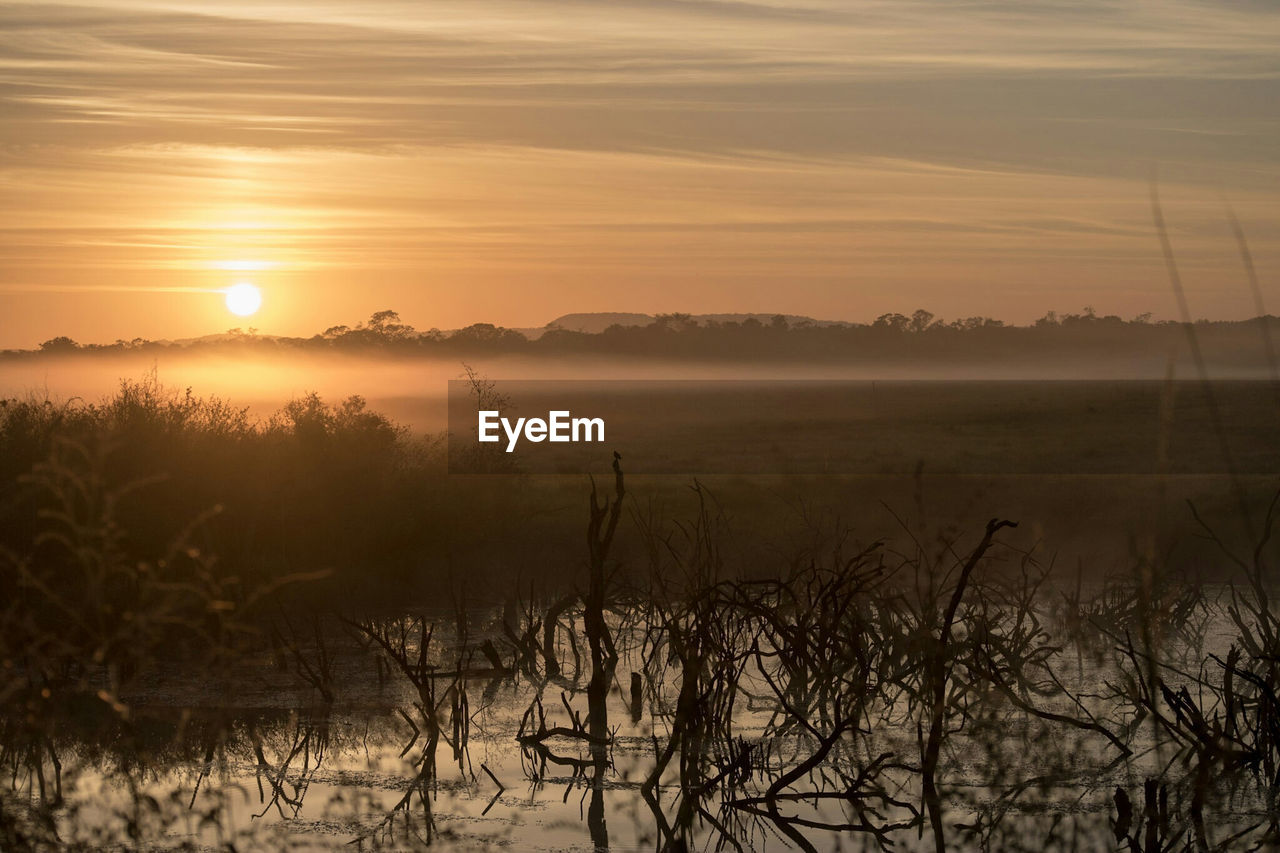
(508, 162)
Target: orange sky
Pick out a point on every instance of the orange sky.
(512, 161)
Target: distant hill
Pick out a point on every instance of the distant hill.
(594, 323)
(792, 319)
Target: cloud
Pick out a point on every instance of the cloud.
(571, 135)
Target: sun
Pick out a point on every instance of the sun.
(243, 299)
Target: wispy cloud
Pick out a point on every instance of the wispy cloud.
(889, 144)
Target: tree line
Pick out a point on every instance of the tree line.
(920, 334)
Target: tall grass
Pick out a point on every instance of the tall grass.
(314, 487)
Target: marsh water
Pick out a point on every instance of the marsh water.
(325, 743)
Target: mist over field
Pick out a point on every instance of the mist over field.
(1072, 443)
(411, 389)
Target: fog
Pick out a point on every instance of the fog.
(412, 390)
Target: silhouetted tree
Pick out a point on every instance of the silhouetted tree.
(675, 322)
(921, 320)
(897, 322)
(488, 335)
(59, 344)
(387, 324)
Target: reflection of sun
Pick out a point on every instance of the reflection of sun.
(243, 299)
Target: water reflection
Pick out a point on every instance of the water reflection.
(869, 700)
(744, 751)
